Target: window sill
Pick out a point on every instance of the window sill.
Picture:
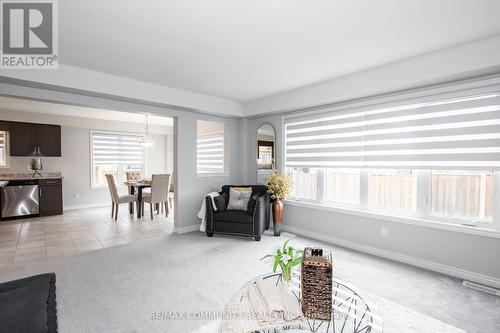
(426, 223)
(218, 174)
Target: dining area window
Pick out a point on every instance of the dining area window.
(116, 154)
(4, 158)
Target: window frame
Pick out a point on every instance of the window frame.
(338, 203)
(92, 171)
(421, 196)
(6, 165)
(422, 216)
(412, 212)
(225, 152)
(427, 209)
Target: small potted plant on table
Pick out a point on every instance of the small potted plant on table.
(286, 257)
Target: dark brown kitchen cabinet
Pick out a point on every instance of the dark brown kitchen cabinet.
(51, 197)
(26, 138)
(4, 126)
(49, 139)
(22, 139)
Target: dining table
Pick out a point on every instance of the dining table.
(138, 187)
(133, 188)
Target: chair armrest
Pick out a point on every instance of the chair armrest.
(209, 214)
(261, 214)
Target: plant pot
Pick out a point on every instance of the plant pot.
(277, 216)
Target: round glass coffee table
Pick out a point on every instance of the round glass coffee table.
(352, 311)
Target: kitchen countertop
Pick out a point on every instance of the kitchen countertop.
(25, 176)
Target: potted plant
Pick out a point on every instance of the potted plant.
(286, 257)
(278, 185)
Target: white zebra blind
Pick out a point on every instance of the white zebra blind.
(449, 133)
(3, 148)
(117, 148)
(210, 152)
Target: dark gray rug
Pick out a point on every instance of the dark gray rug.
(29, 305)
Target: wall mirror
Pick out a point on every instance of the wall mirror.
(266, 139)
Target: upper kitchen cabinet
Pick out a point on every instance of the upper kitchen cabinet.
(49, 139)
(26, 138)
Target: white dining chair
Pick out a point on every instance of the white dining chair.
(117, 199)
(159, 193)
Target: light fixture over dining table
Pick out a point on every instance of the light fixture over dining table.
(147, 140)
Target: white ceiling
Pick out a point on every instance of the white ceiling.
(24, 105)
(243, 50)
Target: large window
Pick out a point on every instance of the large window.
(392, 190)
(463, 195)
(4, 158)
(115, 153)
(305, 183)
(342, 186)
(433, 157)
(210, 148)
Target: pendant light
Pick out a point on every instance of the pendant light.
(147, 141)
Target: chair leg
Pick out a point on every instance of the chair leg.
(142, 209)
(167, 209)
(116, 212)
(112, 209)
(171, 203)
(151, 210)
(132, 210)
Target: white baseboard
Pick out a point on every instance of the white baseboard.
(430, 265)
(91, 205)
(190, 228)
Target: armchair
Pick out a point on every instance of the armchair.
(251, 222)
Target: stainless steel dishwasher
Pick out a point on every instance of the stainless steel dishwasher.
(20, 198)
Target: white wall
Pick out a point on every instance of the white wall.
(74, 163)
(435, 67)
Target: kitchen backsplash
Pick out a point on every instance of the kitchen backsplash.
(21, 165)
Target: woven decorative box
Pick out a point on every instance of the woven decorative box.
(316, 284)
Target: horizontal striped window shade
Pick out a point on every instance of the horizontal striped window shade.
(117, 148)
(3, 148)
(448, 133)
(210, 152)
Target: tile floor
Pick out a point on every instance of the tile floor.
(75, 232)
